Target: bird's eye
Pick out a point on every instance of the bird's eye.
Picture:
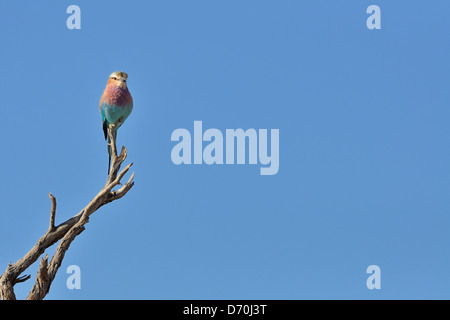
(114, 78)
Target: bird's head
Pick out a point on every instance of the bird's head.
(118, 78)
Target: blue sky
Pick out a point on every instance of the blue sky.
(364, 174)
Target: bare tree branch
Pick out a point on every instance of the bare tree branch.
(52, 212)
(66, 232)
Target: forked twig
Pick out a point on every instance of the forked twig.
(66, 232)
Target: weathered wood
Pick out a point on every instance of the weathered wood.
(66, 232)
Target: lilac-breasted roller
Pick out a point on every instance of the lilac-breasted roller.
(116, 104)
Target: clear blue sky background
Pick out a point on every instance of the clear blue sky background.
(364, 172)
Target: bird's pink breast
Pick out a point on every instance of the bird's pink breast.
(118, 96)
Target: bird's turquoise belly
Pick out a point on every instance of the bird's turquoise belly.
(113, 113)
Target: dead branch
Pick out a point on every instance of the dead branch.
(66, 232)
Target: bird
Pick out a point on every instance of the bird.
(116, 104)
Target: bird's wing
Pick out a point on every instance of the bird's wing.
(105, 129)
(104, 122)
(101, 103)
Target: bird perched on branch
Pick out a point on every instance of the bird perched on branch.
(116, 104)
